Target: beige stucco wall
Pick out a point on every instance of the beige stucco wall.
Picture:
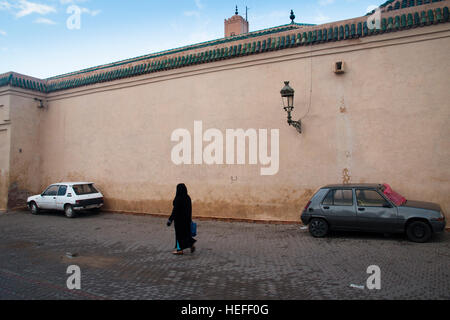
(4, 149)
(19, 147)
(25, 155)
(385, 120)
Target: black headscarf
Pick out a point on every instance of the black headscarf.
(181, 195)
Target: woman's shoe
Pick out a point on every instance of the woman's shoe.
(192, 249)
(177, 253)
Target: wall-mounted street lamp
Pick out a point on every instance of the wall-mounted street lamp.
(287, 95)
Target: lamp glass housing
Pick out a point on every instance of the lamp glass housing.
(288, 101)
(287, 95)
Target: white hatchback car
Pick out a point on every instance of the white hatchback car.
(68, 197)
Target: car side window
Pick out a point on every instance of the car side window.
(339, 197)
(328, 200)
(370, 198)
(62, 191)
(51, 191)
(343, 197)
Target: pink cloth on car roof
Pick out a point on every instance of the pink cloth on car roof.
(394, 196)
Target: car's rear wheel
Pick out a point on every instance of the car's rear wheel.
(68, 211)
(318, 228)
(34, 209)
(418, 231)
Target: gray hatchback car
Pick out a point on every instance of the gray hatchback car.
(366, 207)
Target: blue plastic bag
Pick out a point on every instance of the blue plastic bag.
(193, 229)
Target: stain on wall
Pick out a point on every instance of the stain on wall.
(4, 183)
(4, 168)
(17, 198)
(346, 178)
(287, 208)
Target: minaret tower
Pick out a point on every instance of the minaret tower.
(236, 25)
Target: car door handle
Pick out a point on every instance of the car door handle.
(326, 208)
(54, 198)
(361, 209)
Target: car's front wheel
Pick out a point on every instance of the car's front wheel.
(318, 228)
(418, 231)
(34, 209)
(69, 212)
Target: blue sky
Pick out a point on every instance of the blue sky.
(35, 39)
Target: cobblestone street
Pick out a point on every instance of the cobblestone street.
(129, 257)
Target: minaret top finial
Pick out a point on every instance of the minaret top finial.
(237, 12)
(292, 17)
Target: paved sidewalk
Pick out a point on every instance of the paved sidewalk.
(128, 257)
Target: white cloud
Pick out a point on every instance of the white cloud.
(90, 12)
(44, 21)
(195, 13)
(326, 2)
(27, 8)
(5, 5)
(3, 33)
(83, 10)
(66, 2)
(22, 8)
(199, 4)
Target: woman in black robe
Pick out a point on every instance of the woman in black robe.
(182, 215)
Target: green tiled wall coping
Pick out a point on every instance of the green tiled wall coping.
(253, 34)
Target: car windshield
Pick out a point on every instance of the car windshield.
(81, 189)
(395, 197)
